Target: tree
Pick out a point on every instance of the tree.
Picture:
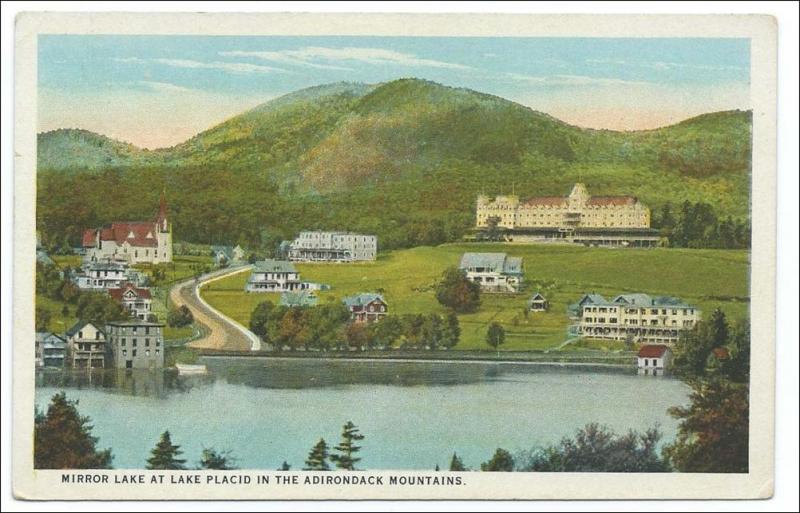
(180, 317)
(213, 460)
(457, 292)
(713, 433)
(737, 367)
(259, 319)
(318, 457)
(718, 326)
(43, 317)
(456, 465)
(62, 439)
(285, 466)
(597, 449)
(495, 336)
(356, 335)
(502, 461)
(691, 351)
(492, 230)
(451, 331)
(347, 449)
(164, 456)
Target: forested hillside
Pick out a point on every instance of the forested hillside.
(404, 160)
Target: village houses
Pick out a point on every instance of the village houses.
(276, 276)
(634, 317)
(494, 272)
(106, 274)
(86, 345)
(538, 303)
(50, 349)
(133, 242)
(135, 300)
(318, 246)
(227, 255)
(366, 307)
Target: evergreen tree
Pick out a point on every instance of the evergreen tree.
(456, 465)
(502, 461)
(719, 328)
(285, 466)
(496, 336)
(347, 449)
(62, 439)
(451, 331)
(213, 460)
(737, 367)
(259, 319)
(164, 455)
(691, 351)
(318, 457)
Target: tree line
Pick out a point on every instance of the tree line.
(329, 326)
(696, 225)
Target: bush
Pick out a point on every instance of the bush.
(180, 317)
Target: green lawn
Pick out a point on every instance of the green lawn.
(181, 268)
(59, 323)
(706, 278)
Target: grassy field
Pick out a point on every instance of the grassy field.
(706, 278)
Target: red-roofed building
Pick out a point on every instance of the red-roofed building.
(653, 359)
(133, 242)
(134, 299)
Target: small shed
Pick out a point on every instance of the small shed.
(538, 303)
(653, 359)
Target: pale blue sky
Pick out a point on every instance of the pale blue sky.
(159, 90)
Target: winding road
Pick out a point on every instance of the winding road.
(222, 332)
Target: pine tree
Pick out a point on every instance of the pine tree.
(719, 328)
(502, 461)
(213, 460)
(285, 466)
(165, 455)
(318, 457)
(62, 438)
(456, 465)
(451, 331)
(346, 459)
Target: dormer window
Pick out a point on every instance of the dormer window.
(130, 234)
(149, 235)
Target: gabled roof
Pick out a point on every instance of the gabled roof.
(653, 351)
(537, 295)
(497, 262)
(119, 293)
(45, 336)
(364, 298)
(226, 251)
(595, 299)
(634, 299)
(299, 298)
(274, 266)
(79, 326)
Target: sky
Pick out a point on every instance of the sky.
(157, 91)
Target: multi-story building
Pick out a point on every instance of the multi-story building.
(133, 242)
(318, 246)
(135, 344)
(366, 307)
(50, 349)
(635, 317)
(276, 276)
(494, 272)
(578, 218)
(105, 274)
(86, 345)
(137, 301)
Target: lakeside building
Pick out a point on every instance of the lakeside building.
(134, 242)
(366, 307)
(318, 246)
(86, 345)
(227, 255)
(635, 317)
(494, 272)
(51, 349)
(135, 344)
(136, 300)
(276, 276)
(653, 359)
(577, 218)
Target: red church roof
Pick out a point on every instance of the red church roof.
(546, 201)
(652, 351)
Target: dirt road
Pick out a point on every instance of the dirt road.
(223, 332)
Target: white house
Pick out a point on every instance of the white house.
(316, 246)
(104, 275)
(494, 272)
(50, 349)
(135, 300)
(276, 276)
(653, 359)
(227, 255)
(86, 344)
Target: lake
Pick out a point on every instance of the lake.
(413, 415)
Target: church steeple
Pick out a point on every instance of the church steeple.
(161, 220)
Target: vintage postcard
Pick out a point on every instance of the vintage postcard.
(312, 256)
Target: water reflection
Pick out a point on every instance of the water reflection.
(296, 373)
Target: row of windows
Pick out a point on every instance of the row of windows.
(134, 342)
(146, 352)
(643, 311)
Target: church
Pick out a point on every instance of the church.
(133, 242)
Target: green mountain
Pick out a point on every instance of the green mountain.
(404, 159)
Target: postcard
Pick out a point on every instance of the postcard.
(394, 256)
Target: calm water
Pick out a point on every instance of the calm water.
(414, 415)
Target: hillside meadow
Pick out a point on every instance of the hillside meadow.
(407, 278)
